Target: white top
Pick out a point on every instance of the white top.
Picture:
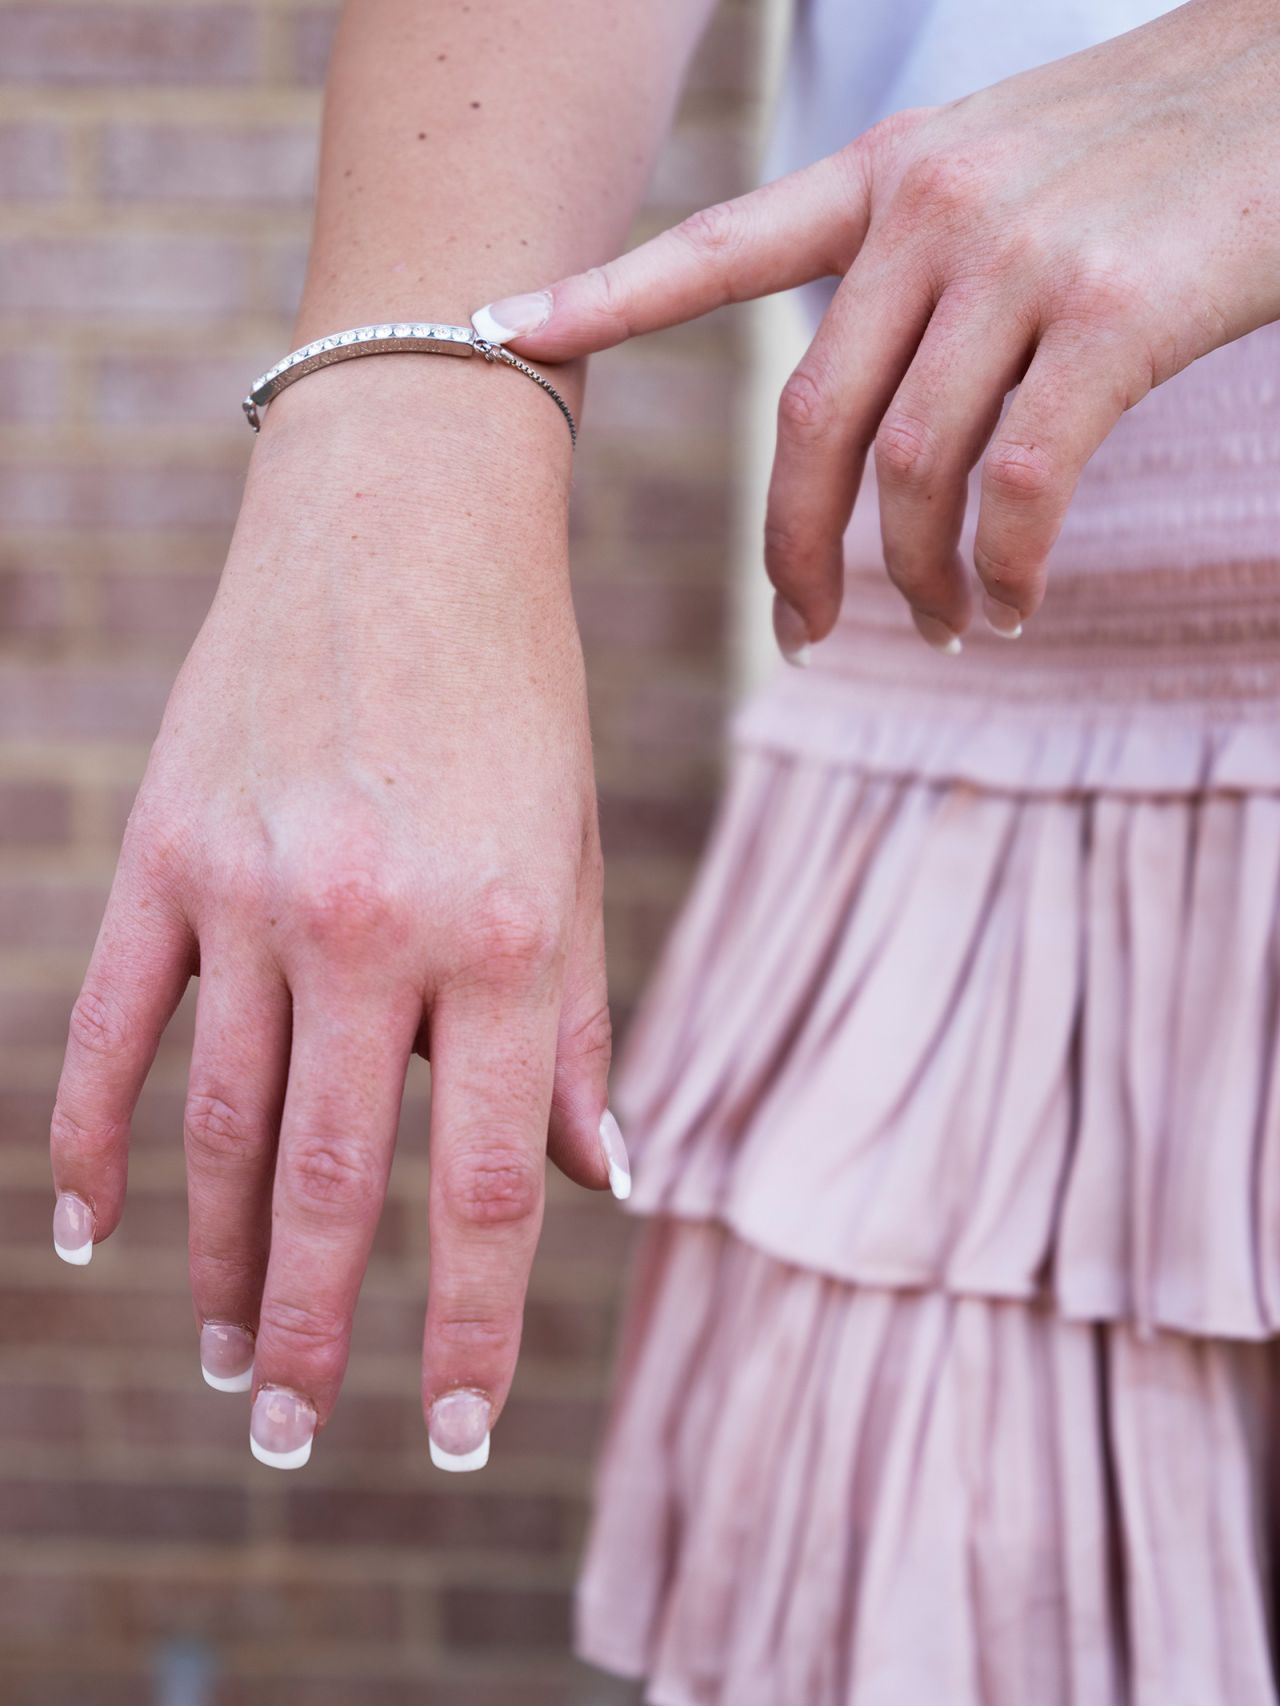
(853, 62)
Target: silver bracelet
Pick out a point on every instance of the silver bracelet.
(416, 337)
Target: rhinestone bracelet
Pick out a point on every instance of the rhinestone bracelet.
(416, 337)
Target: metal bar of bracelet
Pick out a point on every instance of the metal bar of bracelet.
(417, 337)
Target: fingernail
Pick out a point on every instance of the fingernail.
(615, 1153)
(458, 1431)
(790, 632)
(1002, 619)
(226, 1356)
(512, 316)
(73, 1229)
(937, 634)
(281, 1428)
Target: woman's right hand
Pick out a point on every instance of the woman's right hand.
(369, 824)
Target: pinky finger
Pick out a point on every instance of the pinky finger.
(1070, 399)
(141, 964)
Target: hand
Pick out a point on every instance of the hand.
(369, 824)
(1086, 229)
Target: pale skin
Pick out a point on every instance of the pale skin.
(369, 818)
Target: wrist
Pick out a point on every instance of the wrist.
(485, 415)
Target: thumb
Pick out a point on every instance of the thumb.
(809, 224)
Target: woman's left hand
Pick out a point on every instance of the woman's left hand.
(1084, 231)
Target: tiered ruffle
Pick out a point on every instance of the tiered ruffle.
(947, 1376)
(816, 1495)
(1004, 1044)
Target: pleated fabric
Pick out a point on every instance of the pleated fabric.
(949, 1374)
(1009, 1045)
(823, 1494)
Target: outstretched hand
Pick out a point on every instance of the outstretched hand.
(1082, 231)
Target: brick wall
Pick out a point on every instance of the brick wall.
(156, 163)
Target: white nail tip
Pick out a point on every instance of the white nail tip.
(78, 1258)
(952, 648)
(619, 1181)
(281, 1459)
(228, 1382)
(799, 657)
(491, 330)
(459, 1462)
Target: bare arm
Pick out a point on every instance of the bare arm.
(369, 816)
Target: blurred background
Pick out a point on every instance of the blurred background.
(156, 165)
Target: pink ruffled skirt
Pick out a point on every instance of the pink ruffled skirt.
(949, 1373)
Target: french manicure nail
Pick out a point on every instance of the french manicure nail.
(1002, 619)
(226, 1356)
(512, 316)
(790, 632)
(281, 1428)
(73, 1229)
(615, 1154)
(458, 1431)
(937, 634)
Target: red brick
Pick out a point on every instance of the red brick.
(699, 164)
(50, 915)
(159, 606)
(665, 823)
(32, 814)
(130, 274)
(120, 1511)
(126, 44)
(529, 1618)
(34, 161)
(258, 1603)
(123, 497)
(189, 389)
(37, 1016)
(32, 604)
(672, 618)
(88, 701)
(42, 1606)
(480, 1521)
(41, 1413)
(67, 1315)
(313, 28)
(32, 386)
(255, 165)
(678, 511)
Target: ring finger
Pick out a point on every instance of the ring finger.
(932, 434)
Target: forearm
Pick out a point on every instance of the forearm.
(471, 150)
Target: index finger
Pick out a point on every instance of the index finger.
(806, 225)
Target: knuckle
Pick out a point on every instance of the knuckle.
(213, 1130)
(494, 1186)
(944, 182)
(1018, 472)
(714, 233)
(302, 1332)
(99, 1025)
(347, 906)
(590, 1038)
(510, 933)
(331, 1174)
(1003, 574)
(805, 407)
(1100, 290)
(461, 1338)
(906, 452)
(788, 550)
(89, 1143)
